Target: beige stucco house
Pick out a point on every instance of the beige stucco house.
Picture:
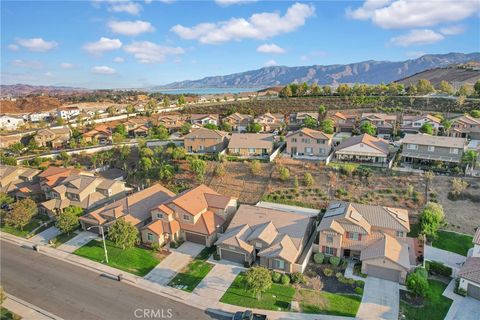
(469, 274)
(251, 144)
(238, 121)
(375, 235)
(20, 182)
(275, 239)
(205, 140)
(363, 148)
(53, 137)
(308, 143)
(270, 121)
(101, 134)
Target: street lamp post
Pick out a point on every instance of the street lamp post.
(103, 239)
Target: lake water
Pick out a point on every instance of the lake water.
(204, 91)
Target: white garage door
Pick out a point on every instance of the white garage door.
(383, 273)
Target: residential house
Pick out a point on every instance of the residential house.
(238, 121)
(375, 235)
(412, 124)
(363, 148)
(203, 119)
(134, 208)
(11, 122)
(172, 123)
(101, 133)
(83, 191)
(137, 127)
(385, 123)
(469, 274)
(68, 112)
(426, 149)
(53, 176)
(270, 121)
(20, 182)
(251, 144)
(196, 215)
(53, 137)
(296, 119)
(308, 143)
(204, 140)
(465, 126)
(343, 122)
(274, 238)
(39, 116)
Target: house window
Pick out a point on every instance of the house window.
(294, 139)
(278, 264)
(453, 150)
(329, 239)
(308, 150)
(149, 236)
(400, 234)
(214, 148)
(330, 250)
(251, 150)
(159, 215)
(431, 149)
(353, 235)
(258, 245)
(320, 141)
(201, 147)
(321, 151)
(186, 217)
(412, 147)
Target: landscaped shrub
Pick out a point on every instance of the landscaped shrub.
(439, 269)
(359, 290)
(328, 272)
(276, 276)
(339, 275)
(298, 277)
(334, 261)
(216, 256)
(319, 257)
(459, 290)
(360, 283)
(285, 279)
(422, 272)
(417, 284)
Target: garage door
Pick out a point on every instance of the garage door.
(193, 237)
(233, 256)
(383, 273)
(473, 291)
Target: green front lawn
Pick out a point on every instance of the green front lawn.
(62, 238)
(189, 278)
(453, 242)
(435, 305)
(206, 253)
(313, 301)
(32, 225)
(278, 297)
(135, 260)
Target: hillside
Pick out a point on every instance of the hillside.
(372, 72)
(31, 104)
(456, 75)
(19, 89)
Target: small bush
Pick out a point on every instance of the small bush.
(422, 272)
(334, 261)
(359, 290)
(276, 276)
(319, 257)
(328, 272)
(360, 283)
(298, 277)
(459, 290)
(155, 246)
(216, 256)
(339, 275)
(285, 279)
(439, 269)
(417, 284)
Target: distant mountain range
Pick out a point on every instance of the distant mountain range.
(371, 72)
(25, 89)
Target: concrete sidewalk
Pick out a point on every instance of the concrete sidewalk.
(45, 236)
(27, 310)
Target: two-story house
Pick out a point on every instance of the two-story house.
(343, 122)
(53, 137)
(251, 144)
(412, 124)
(308, 143)
(238, 121)
(172, 123)
(274, 238)
(68, 113)
(205, 140)
(469, 274)
(465, 126)
(39, 116)
(83, 191)
(425, 149)
(137, 127)
(375, 235)
(101, 134)
(195, 215)
(270, 121)
(385, 123)
(296, 119)
(363, 148)
(203, 119)
(21, 182)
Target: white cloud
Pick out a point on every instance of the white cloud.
(417, 37)
(27, 64)
(102, 45)
(149, 52)
(225, 3)
(118, 60)
(303, 58)
(49, 74)
(414, 54)
(66, 65)
(103, 70)
(258, 26)
(37, 44)
(270, 48)
(390, 14)
(13, 47)
(125, 6)
(452, 30)
(271, 63)
(130, 28)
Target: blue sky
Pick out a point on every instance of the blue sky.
(125, 44)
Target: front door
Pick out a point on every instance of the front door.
(346, 253)
(293, 150)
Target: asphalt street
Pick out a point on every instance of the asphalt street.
(73, 292)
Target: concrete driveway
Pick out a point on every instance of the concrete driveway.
(464, 309)
(218, 280)
(380, 299)
(174, 263)
(45, 236)
(448, 258)
(78, 241)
